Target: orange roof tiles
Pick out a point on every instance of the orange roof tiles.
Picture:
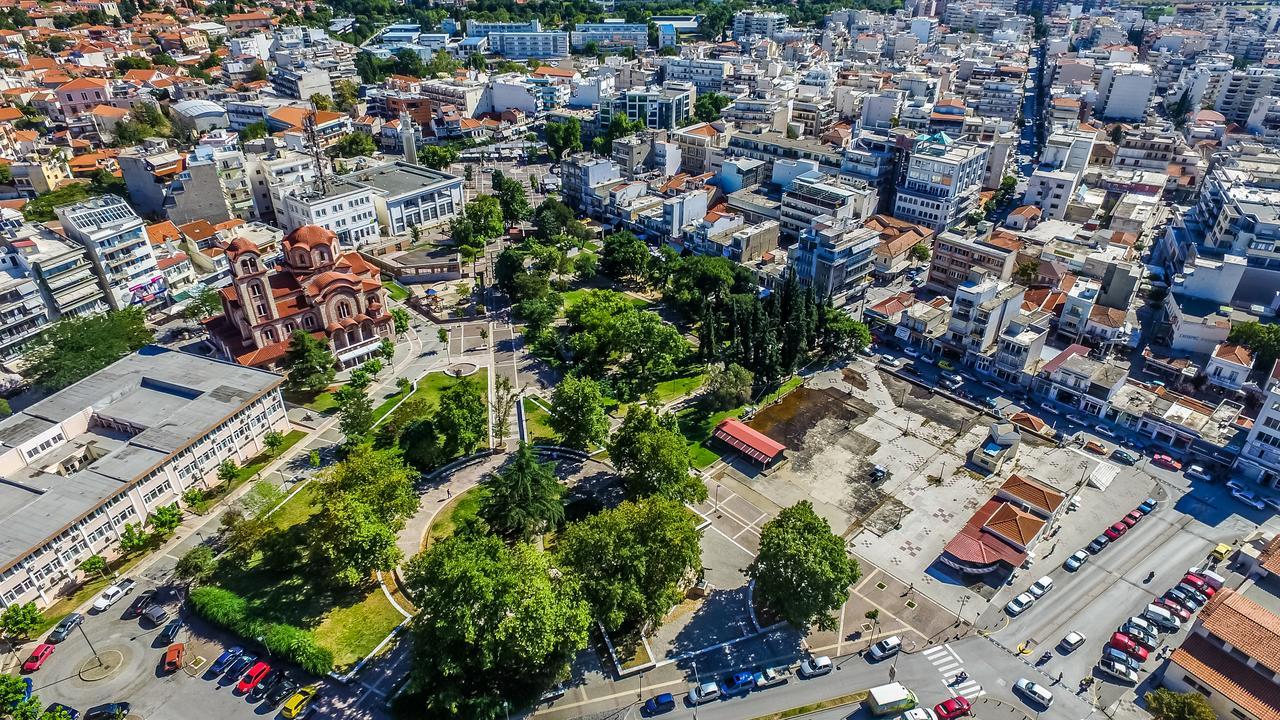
(1013, 524)
(1237, 354)
(1256, 693)
(1033, 492)
(1248, 626)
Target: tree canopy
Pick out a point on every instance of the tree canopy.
(653, 458)
(523, 498)
(73, 348)
(1263, 340)
(802, 569)
(308, 365)
(577, 413)
(1165, 704)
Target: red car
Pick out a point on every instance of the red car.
(252, 677)
(1129, 646)
(41, 653)
(1115, 531)
(1165, 461)
(1132, 518)
(952, 708)
(1198, 583)
(1173, 607)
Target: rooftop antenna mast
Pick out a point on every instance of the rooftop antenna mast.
(316, 152)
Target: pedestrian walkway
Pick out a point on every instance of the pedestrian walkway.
(949, 665)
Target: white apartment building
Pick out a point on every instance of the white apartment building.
(348, 210)
(612, 34)
(1240, 90)
(114, 447)
(1125, 90)
(706, 75)
(1260, 458)
(813, 194)
(115, 238)
(271, 176)
(480, 28)
(942, 181)
(1062, 163)
(522, 45)
(758, 22)
(980, 312)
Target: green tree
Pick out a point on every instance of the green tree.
(204, 305)
(524, 498)
(258, 73)
(564, 137)
(354, 144)
(346, 95)
(624, 256)
(94, 565)
(729, 387)
(1263, 340)
(802, 569)
(577, 413)
(1165, 704)
(308, 365)
(919, 252)
(253, 131)
(355, 412)
(437, 156)
(501, 627)
(73, 348)
(227, 471)
(708, 106)
(402, 319)
(511, 198)
(19, 621)
(273, 441)
(632, 559)
(134, 539)
(132, 62)
(1026, 272)
(165, 520)
(843, 334)
(586, 265)
(321, 102)
(476, 61)
(653, 459)
(196, 565)
(462, 418)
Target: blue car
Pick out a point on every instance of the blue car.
(737, 683)
(1149, 506)
(227, 657)
(659, 704)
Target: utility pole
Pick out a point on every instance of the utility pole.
(92, 649)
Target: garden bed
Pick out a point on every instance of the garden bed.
(537, 422)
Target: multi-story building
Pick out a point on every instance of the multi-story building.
(942, 181)
(480, 28)
(980, 311)
(1242, 89)
(702, 146)
(1078, 307)
(301, 82)
(759, 110)
(116, 241)
(147, 169)
(959, 257)
(814, 114)
(1017, 353)
(115, 447)
(658, 108)
(706, 75)
(833, 256)
(612, 34)
(407, 195)
(586, 181)
(62, 270)
(813, 195)
(520, 45)
(768, 146)
(1062, 164)
(1259, 460)
(758, 22)
(23, 313)
(272, 175)
(1125, 91)
(345, 209)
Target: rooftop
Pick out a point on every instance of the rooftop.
(398, 178)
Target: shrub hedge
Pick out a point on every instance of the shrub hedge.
(227, 609)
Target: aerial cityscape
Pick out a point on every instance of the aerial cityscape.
(615, 359)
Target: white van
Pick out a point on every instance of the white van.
(1162, 617)
(1211, 578)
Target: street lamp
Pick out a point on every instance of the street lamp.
(963, 599)
(92, 649)
(697, 685)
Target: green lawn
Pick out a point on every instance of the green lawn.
(678, 387)
(573, 297)
(261, 460)
(537, 421)
(385, 406)
(280, 587)
(322, 403)
(696, 424)
(466, 505)
(398, 292)
(432, 385)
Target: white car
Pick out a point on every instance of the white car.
(1234, 485)
(1047, 407)
(911, 351)
(704, 693)
(1249, 499)
(1040, 587)
(1145, 624)
(1077, 559)
(1197, 472)
(887, 361)
(109, 597)
(919, 713)
(815, 666)
(1072, 641)
(887, 647)
(1036, 693)
(1124, 673)
(1019, 604)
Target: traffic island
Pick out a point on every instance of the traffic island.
(102, 666)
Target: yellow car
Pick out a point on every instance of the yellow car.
(297, 703)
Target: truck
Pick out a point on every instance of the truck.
(889, 699)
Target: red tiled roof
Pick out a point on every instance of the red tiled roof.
(1256, 693)
(1249, 627)
(974, 546)
(1033, 492)
(747, 440)
(1060, 358)
(1237, 354)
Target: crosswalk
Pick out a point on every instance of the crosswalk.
(949, 665)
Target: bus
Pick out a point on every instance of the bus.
(890, 699)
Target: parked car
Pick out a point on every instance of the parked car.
(140, 604)
(297, 704)
(170, 631)
(1098, 544)
(1199, 583)
(1143, 623)
(1166, 461)
(704, 693)
(64, 627)
(224, 660)
(273, 676)
(174, 657)
(1121, 657)
(815, 666)
(1124, 456)
(1041, 587)
(1077, 559)
(890, 362)
(1019, 604)
(1197, 472)
(1175, 608)
(1037, 694)
(737, 683)
(1095, 447)
(156, 615)
(285, 687)
(659, 704)
(887, 647)
(1193, 593)
(241, 664)
(252, 677)
(38, 656)
(769, 677)
(1133, 518)
(910, 351)
(1182, 599)
(1248, 498)
(952, 708)
(1071, 641)
(1118, 671)
(109, 711)
(1115, 531)
(926, 357)
(112, 595)
(1148, 506)
(55, 708)
(1128, 645)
